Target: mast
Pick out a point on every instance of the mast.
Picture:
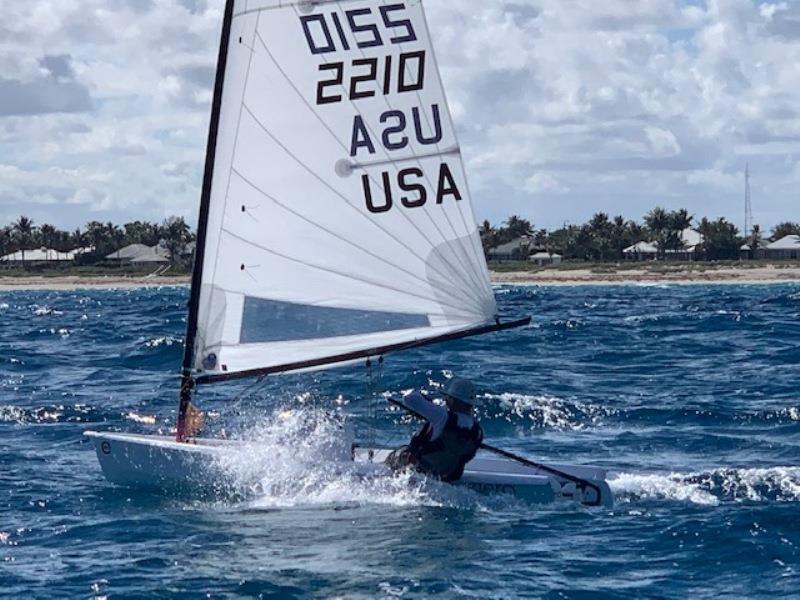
(187, 382)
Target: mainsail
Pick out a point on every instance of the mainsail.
(336, 218)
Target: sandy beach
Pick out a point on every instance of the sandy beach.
(597, 275)
(679, 274)
(79, 282)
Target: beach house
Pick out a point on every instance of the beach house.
(692, 248)
(516, 249)
(786, 248)
(41, 257)
(545, 259)
(139, 255)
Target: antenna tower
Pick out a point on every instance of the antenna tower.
(748, 207)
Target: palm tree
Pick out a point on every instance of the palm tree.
(139, 232)
(678, 221)
(517, 227)
(599, 230)
(6, 241)
(48, 235)
(177, 234)
(783, 229)
(23, 230)
(96, 236)
(657, 221)
(77, 239)
(720, 239)
(618, 238)
(488, 235)
(754, 240)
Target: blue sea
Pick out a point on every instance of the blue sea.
(688, 395)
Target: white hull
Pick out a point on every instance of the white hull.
(160, 462)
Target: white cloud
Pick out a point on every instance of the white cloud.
(613, 106)
(732, 183)
(662, 142)
(543, 183)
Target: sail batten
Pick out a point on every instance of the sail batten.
(339, 221)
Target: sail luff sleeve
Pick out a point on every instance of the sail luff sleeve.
(202, 225)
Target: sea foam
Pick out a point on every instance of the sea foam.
(772, 484)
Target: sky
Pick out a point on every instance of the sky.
(563, 108)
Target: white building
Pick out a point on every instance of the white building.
(139, 254)
(641, 251)
(544, 259)
(517, 249)
(692, 245)
(786, 248)
(38, 255)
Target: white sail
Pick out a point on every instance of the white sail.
(339, 219)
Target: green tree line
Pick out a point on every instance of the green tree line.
(604, 238)
(24, 235)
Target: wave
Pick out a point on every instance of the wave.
(59, 413)
(545, 411)
(167, 340)
(41, 311)
(770, 484)
(709, 415)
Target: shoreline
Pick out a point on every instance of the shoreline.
(761, 275)
(88, 282)
(744, 275)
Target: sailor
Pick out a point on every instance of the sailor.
(450, 437)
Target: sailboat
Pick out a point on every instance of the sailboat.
(335, 226)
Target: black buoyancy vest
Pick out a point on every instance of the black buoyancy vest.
(446, 456)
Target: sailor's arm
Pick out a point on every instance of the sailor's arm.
(433, 413)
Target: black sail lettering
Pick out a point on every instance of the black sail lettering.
(361, 137)
(370, 75)
(369, 28)
(399, 128)
(340, 30)
(447, 184)
(437, 126)
(410, 35)
(336, 80)
(422, 194)
(387, 191)
(418, 82)
(328, 46)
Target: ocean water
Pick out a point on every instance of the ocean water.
(688, 395)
